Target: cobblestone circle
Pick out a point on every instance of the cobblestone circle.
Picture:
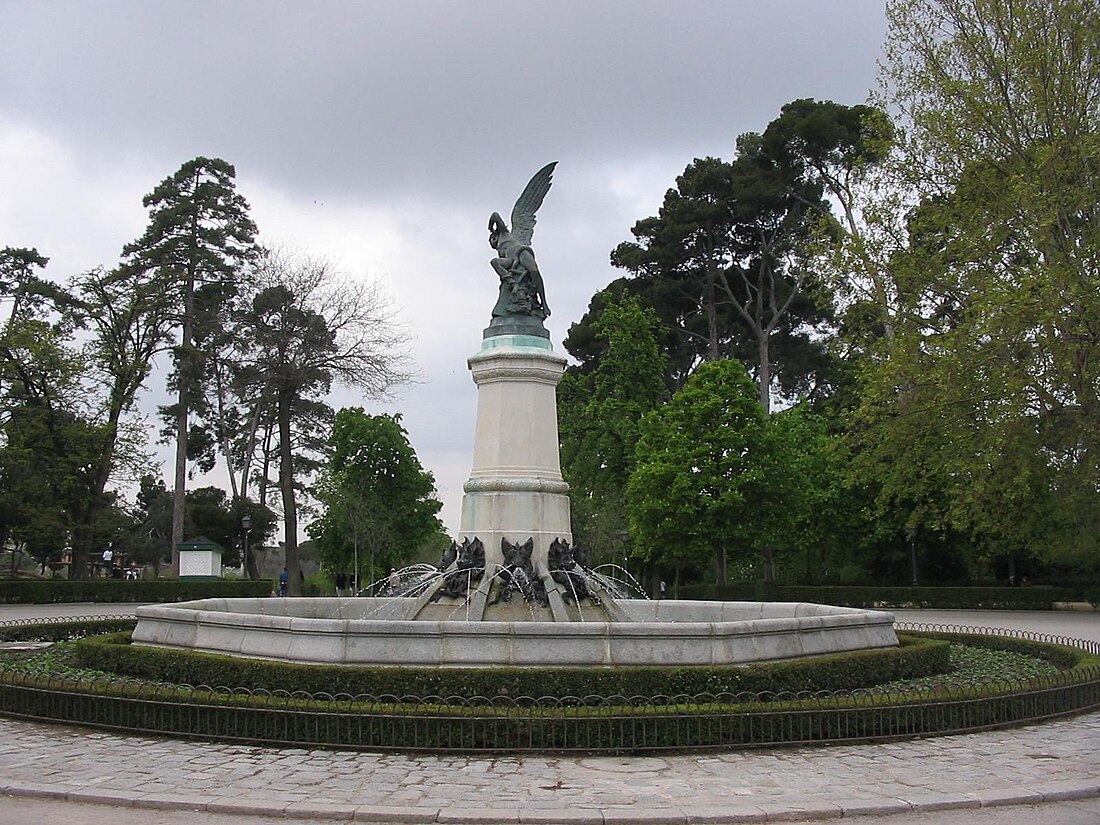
(1052, 761)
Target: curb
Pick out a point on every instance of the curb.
(712, 815)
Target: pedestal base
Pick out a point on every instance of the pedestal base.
(515, 490)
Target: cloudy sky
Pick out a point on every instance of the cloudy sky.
(383, 134)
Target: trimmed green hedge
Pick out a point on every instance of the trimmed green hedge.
(511, 727)
(55, 631)
(49, 591)
(841, 671)
(605, 725)
(944, 598)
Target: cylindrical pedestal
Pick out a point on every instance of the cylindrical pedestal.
(515, 490)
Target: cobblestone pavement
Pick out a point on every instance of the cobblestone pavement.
(1059, 760)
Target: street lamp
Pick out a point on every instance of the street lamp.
(246, 524)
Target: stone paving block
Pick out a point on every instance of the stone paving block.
(873, 807)
(250, 807)
(319, 810)
(1064, 791)
(388, 813)
(721, 814)
(795, 811)
(477, 816)
(932, 801)
(33, 790)
(171, 802)
(563, 816)
(651, 816)
(123, 799)
(1006, 796)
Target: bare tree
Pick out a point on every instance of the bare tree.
(305, 328)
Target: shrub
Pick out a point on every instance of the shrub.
(875, 596)
(50, 591)
(840, 671)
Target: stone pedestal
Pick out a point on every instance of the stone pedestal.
(515, 490)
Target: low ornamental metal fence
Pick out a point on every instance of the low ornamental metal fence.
(589, 724)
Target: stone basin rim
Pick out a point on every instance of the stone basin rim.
(668, 632)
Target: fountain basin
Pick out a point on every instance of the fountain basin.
(374, 632)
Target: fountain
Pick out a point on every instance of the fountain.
(513, 591)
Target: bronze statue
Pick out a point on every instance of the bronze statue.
(522, 293)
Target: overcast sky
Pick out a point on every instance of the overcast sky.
(383, 134)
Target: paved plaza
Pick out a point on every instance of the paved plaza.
(1055, 766)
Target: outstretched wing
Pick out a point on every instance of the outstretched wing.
(523, 213)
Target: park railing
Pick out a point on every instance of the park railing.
(589, 724)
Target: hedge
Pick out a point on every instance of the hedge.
(47, 591)
(55, 630)
(608, 724)
(840, 671)
(944, 598)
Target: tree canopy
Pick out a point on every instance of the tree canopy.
(379, 504)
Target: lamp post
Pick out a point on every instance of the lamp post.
(246, 525)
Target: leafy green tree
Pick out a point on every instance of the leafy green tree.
(46, 476)
(809, 518)
(147, 539)
(598, 415)
(199, 238)
(700, 471)
(981, 416)
(379, 503)
(212, 513)
(305, 330)
(20, 284)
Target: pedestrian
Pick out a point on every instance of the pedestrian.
(108, 560)
(341, 584)
(662, 589)
(284, 580)
(394, 580)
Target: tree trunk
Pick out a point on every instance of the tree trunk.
(290, 508)
(185, 367)
(768, 564)
(226, 446)
(765, 373)
(712, 314)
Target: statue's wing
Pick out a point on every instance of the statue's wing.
(523, 213)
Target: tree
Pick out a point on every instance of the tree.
(47, 468)
(303, 331)
(379, 502)
(734, 238)
(122, 328)
(198, 239)
(20, 284)
(598, 415)
(700, 471)
(841, 149)
(987, 399)
(770, 253)
(211, 513)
